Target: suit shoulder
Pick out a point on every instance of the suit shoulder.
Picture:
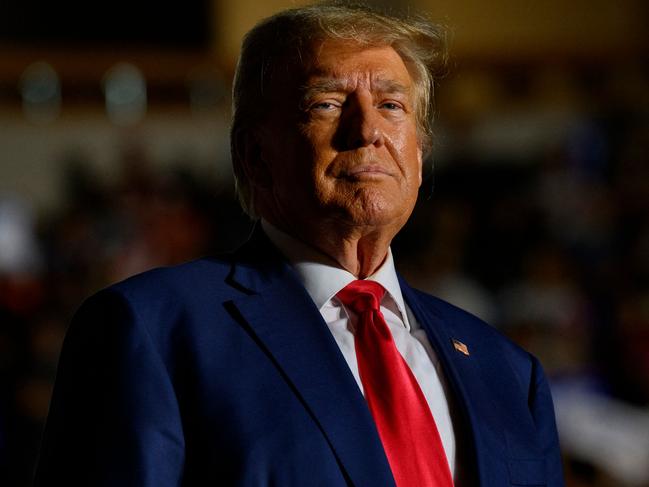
(498, 356)
(163, 293)
(190, 277)
(482, 334)
(159, 300)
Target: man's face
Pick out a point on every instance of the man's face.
(341, 143)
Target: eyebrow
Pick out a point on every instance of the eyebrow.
(333, 85)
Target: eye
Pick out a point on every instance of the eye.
(389, 105)
(324, 106)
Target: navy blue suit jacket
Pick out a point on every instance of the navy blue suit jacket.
(222, 372)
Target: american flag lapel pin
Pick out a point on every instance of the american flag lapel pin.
(460, 347)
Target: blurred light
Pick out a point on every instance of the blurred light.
(605, 432)
(19, 252)
(40, 89)
(125, 93)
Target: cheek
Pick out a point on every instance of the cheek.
(411, 158)
(404, 137)
(317, 154)
(303, 172)
(292, 156)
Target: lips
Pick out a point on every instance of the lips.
(365, 171)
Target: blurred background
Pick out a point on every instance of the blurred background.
(114, 158)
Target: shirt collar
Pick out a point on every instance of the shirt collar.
(321, 275)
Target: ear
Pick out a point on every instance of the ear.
(250, 154)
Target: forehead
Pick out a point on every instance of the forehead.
(337, 65)
(351, 62)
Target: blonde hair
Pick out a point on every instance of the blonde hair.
(286, 35)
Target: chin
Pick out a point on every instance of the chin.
(375, 210)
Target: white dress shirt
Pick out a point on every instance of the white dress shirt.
(322, 279)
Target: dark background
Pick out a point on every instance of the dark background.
(122, 22)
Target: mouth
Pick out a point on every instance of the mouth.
(365, 172)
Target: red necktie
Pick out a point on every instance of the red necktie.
(402, 416)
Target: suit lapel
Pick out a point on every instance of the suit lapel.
(471, 395)
(279, 312)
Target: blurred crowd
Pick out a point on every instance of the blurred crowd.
(106, 232)
(553, 251)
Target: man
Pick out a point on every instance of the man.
(302, 359)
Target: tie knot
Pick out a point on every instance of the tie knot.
(362, 295)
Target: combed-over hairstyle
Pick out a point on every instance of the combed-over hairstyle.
(277, 41)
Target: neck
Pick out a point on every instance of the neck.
(361, 255)
(360, 251)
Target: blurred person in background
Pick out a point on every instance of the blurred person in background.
(303, 358)
(24, 388)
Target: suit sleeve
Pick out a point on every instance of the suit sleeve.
(114, 418)
(542, 409)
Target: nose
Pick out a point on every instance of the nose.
(363, 126)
